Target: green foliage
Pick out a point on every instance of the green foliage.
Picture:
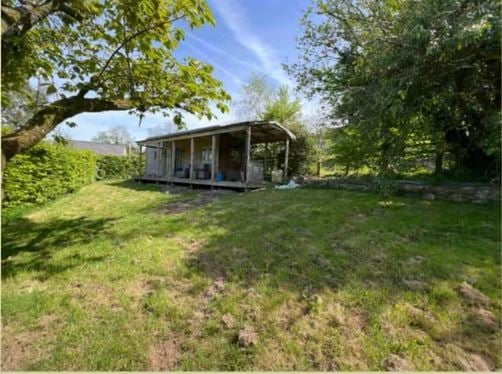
(46, 172)
(406, 70)
(351, 150)
(117, 50)
(287, 111)
(262, 101)
(255, 96)
(117, 167)
(115, 135)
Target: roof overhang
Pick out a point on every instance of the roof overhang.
(261, 132)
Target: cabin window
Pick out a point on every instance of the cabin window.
(154, 155)
(207, 154)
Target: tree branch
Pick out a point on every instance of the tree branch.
(16, 21)
(97, 77)
(46, 120)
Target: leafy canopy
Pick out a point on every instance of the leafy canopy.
(398, 68)
(117, 50)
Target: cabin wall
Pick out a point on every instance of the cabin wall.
(231, 158)
(155, 167)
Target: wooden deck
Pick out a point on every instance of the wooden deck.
(201, 182)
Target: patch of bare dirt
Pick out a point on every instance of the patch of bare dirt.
(203, 198)
(214, 289)
(138, 289)
(163, 355)
(228, 321)
(418, 314)
(468, 361)
(484, 319)
(415, 260)
(396, 363)
(47, 320)
(247, 337)
(190, 245)
(350, 320)
(95, 294)
(415, 285)
(288, 313)
(472, 295)
(21, 348)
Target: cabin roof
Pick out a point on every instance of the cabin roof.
(262, 131)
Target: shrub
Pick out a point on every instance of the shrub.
(45, 172)
(115, 167)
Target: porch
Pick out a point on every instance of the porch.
(241, 155)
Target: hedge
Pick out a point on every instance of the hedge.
(117, 167)
(46, 172)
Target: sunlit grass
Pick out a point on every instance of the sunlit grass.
(106, 279)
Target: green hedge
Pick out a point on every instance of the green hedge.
(45, 172)
(116, 167)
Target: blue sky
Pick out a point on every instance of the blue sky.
(249, 36)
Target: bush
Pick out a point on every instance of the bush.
(117, 167)
(46, 172)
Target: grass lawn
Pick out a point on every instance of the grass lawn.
(124, 276)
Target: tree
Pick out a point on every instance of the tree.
(259, 100)
(115, 135)
(21, 106)
(166, 128)
(255, 96)
(287, 111)
(97, 56)
(319, 128)
(398, 69)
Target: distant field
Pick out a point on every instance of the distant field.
(121, 276)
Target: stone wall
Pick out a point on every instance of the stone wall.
(479, 193)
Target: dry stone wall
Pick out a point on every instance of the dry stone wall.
(479, 193)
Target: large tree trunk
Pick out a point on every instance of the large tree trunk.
(46, 120)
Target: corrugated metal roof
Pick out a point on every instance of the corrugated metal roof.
(219, 127)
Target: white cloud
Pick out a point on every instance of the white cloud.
(235, 19)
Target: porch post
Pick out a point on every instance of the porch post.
(217, 154)
(285, 171)
(142, 172)
(159, 159)
(213, 158)
(173, 159)
(265, 163)
(248, 152)
(192, 154)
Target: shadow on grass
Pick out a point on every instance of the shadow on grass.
(334, 243)
(42, 240)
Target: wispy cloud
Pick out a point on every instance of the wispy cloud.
(226, 54)
(235, 19)
(218, 66)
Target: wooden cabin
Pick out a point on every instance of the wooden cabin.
(222, 156)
